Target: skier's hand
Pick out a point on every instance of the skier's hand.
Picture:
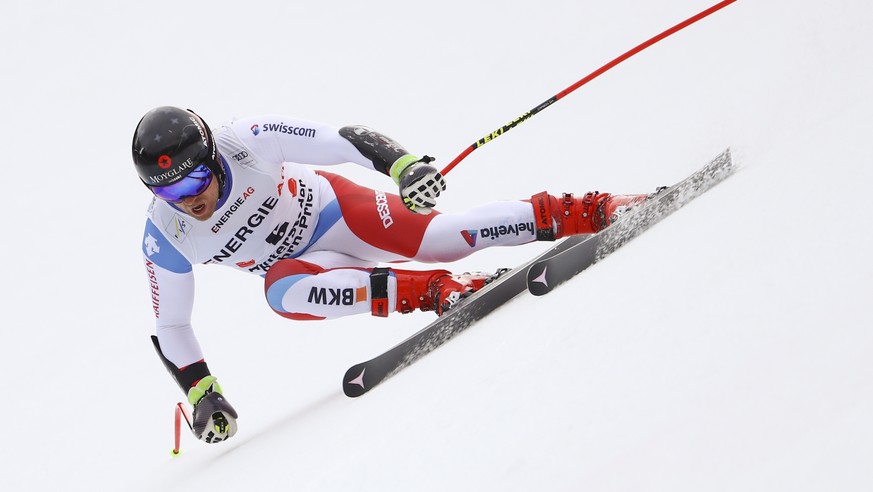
(214, 419)
(420, 183)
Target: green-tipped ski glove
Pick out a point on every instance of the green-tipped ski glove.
(420, 183)
(214, 419)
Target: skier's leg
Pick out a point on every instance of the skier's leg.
(377, 226)
(450, 237)
(302, 290)
(335, 276)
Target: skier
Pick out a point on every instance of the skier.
(244, 196)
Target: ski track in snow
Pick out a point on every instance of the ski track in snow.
(727, 348)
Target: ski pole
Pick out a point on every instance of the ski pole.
(588, 78)
(181, 411)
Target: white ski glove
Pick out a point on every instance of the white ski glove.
(420, 183)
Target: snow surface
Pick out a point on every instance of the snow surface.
(728, 348)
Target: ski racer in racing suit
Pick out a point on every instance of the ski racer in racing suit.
(245, 196)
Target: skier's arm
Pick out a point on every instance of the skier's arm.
(286, 139)
(419, 182)
(277, 139)
(171, 280)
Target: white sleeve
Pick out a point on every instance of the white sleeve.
(286, 139)
(171, 280)
(173, 322)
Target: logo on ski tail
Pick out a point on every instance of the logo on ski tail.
(542, 277)
(360, 379)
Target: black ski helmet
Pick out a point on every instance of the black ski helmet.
(169, 143)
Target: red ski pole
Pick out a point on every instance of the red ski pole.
(588, 78)
(181, 411)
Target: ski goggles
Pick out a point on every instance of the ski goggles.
(193, 184)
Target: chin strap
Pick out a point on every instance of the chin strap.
(222, 173)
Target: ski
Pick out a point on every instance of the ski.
(547, 273)
(539, 275)
(364, 376)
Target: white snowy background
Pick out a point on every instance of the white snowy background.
(728, 348)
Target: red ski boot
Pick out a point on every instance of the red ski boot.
(567, 216)
(429, 290)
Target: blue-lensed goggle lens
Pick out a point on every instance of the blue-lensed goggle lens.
(193, 184)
